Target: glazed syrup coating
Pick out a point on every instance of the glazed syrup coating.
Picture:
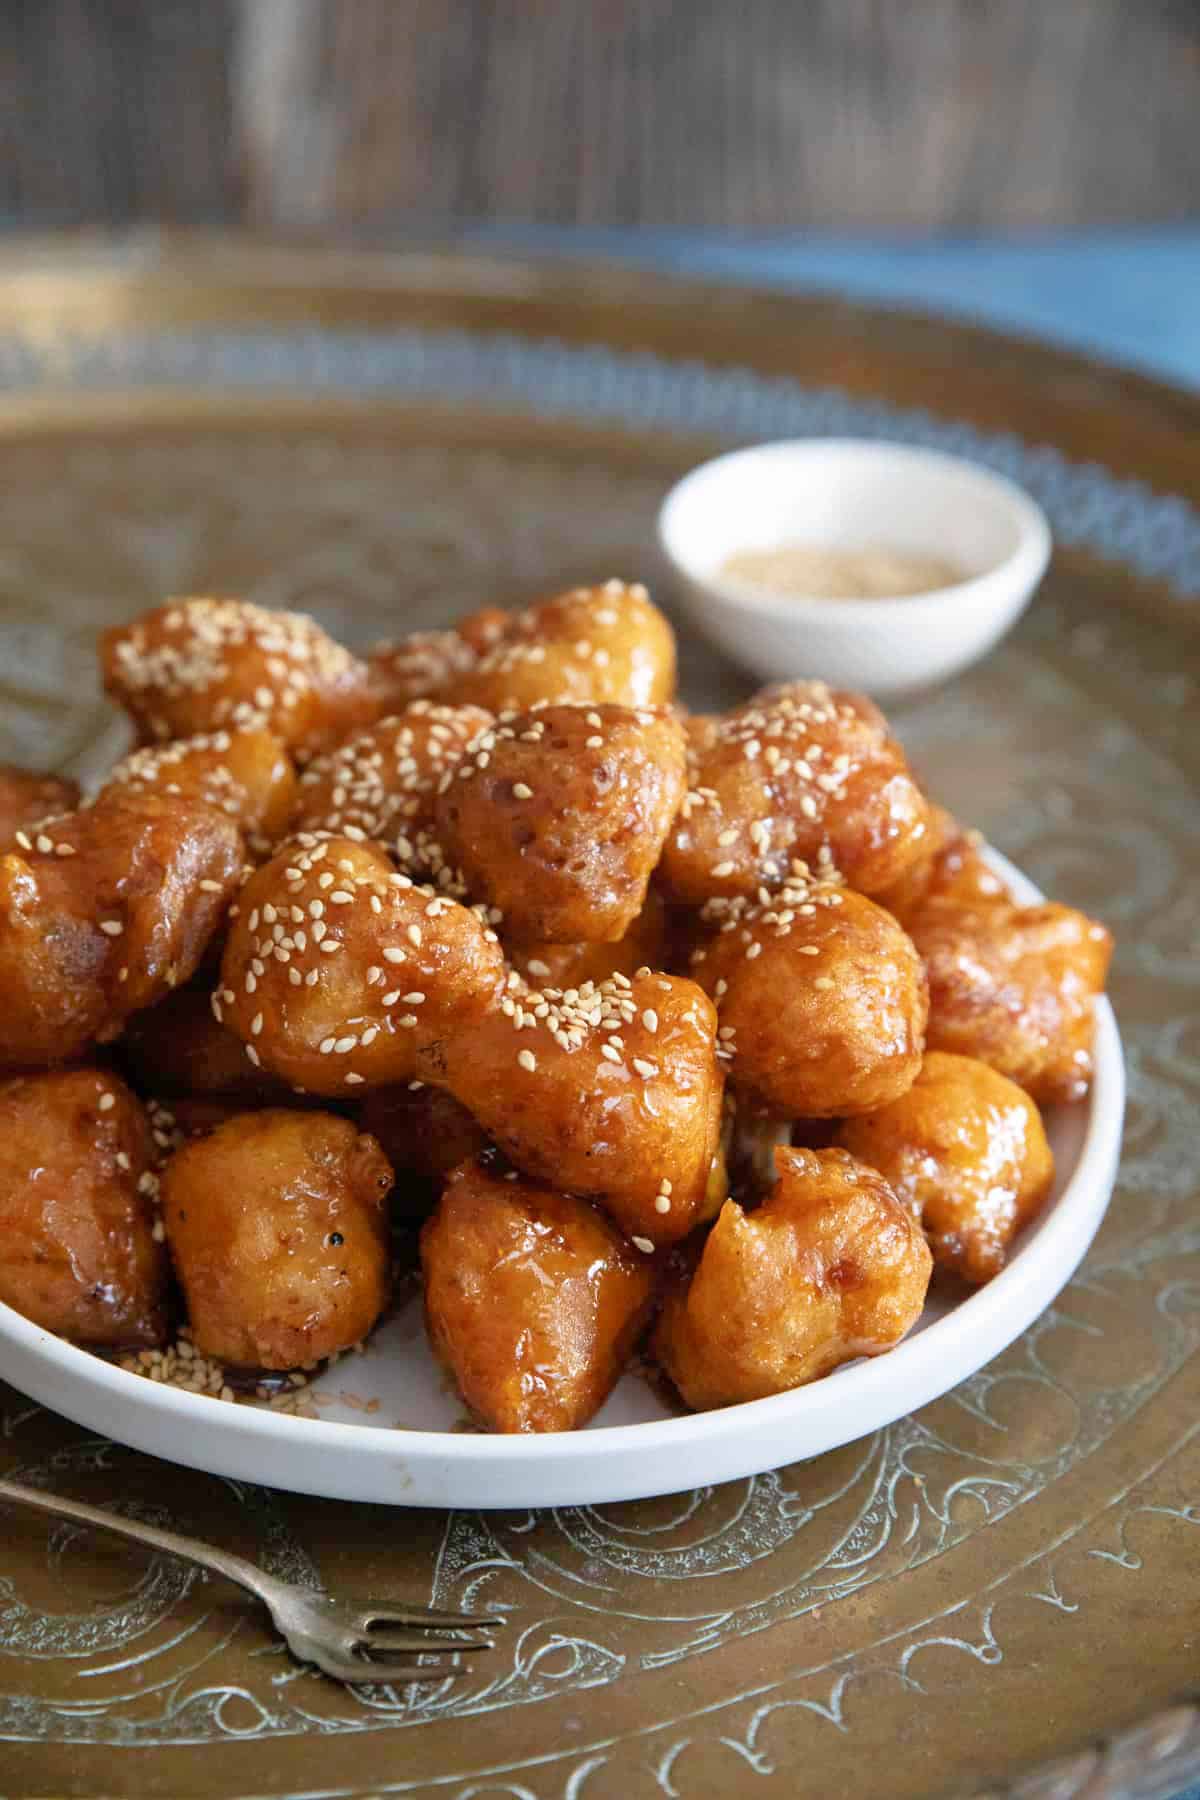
(106, 913)
(556, 818)
(27, 797)
(382, 782)
(424, 1132)
(534, 1302)
(277, 1225)
(613, 1092)
(950, 867)
(340, 974)
(798, 773)
(830, 1267)
(607, 644)
(178, 1048)
(1016, 987)
(821, 998)
(965, 1148)
(78, 1254)
(647, 944)
(204, 665)
(245, 774)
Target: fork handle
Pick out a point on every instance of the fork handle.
(221, 1562)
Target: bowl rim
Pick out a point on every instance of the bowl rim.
(1019, 571)
(885, 1387)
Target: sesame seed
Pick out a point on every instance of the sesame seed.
(111, 927)
(256, 1024)
(650, 1019)
(414, 936)
(122, 1160)
(722, 869)
(728, 837)
(644, 1068)
(527, 1060)
(823, 981)
(107, 1102)
(209, 887)
(351, 1078)
(44, 843)
(606, 1050)
(593, 743)
(521, 791)
(413, 999)
(644, 1245)
(755, 949)
(252, 1053)
(340, 897)
(393, 955)
(662, 1204)
(343, 1044)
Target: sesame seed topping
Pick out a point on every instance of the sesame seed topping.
(527, 1060)
(644, 1245)
(111, 927)
(107, 1102)
(393, 955)
(521, 791)
(662, 1204)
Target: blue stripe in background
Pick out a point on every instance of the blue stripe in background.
(1131, 297)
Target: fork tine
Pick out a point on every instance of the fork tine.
(392, 1642)
(417, 1616)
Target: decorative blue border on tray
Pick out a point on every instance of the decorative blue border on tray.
(1122, 520)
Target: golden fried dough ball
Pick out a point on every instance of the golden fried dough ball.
(178, 1048)
(534, 1301)
(611, 1091)
(78, 1253)
(340, 974)
(556, 818)
(277, 1225)
(647, 944)
(203, 665)
(382, 783)
(424, 1132)
(603, 644)
(821, 999)
(799, 773)
(104, 917)
(951, 866)
(246, 774)
(966, 1150)
(1015, 986)
(26, 798)
(831, 1266)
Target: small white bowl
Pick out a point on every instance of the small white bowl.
(851, 494)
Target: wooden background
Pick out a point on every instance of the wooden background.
(757, 115)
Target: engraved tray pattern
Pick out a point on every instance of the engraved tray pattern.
(1038, 1526)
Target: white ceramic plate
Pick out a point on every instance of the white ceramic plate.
(407, 1451)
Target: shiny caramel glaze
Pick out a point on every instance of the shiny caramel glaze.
(247, 775)
(647, 944)
(340, 974)
(277, 1225)
(951, 866)
(382, 782)
(1015, 986)
(534, 1302)
(424, 1132)
(831, 1266)
(205, 665)
(965, 1148)
(556, 818)
(27, 797)
(77, 1248)
(602, 644)
(821, 999)
(106, 914)
(611, 1091)
(799, 773)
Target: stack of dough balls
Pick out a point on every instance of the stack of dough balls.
(700, 1040)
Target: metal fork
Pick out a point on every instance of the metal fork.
(353, 1642)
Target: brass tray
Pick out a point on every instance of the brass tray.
(998, 1594)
